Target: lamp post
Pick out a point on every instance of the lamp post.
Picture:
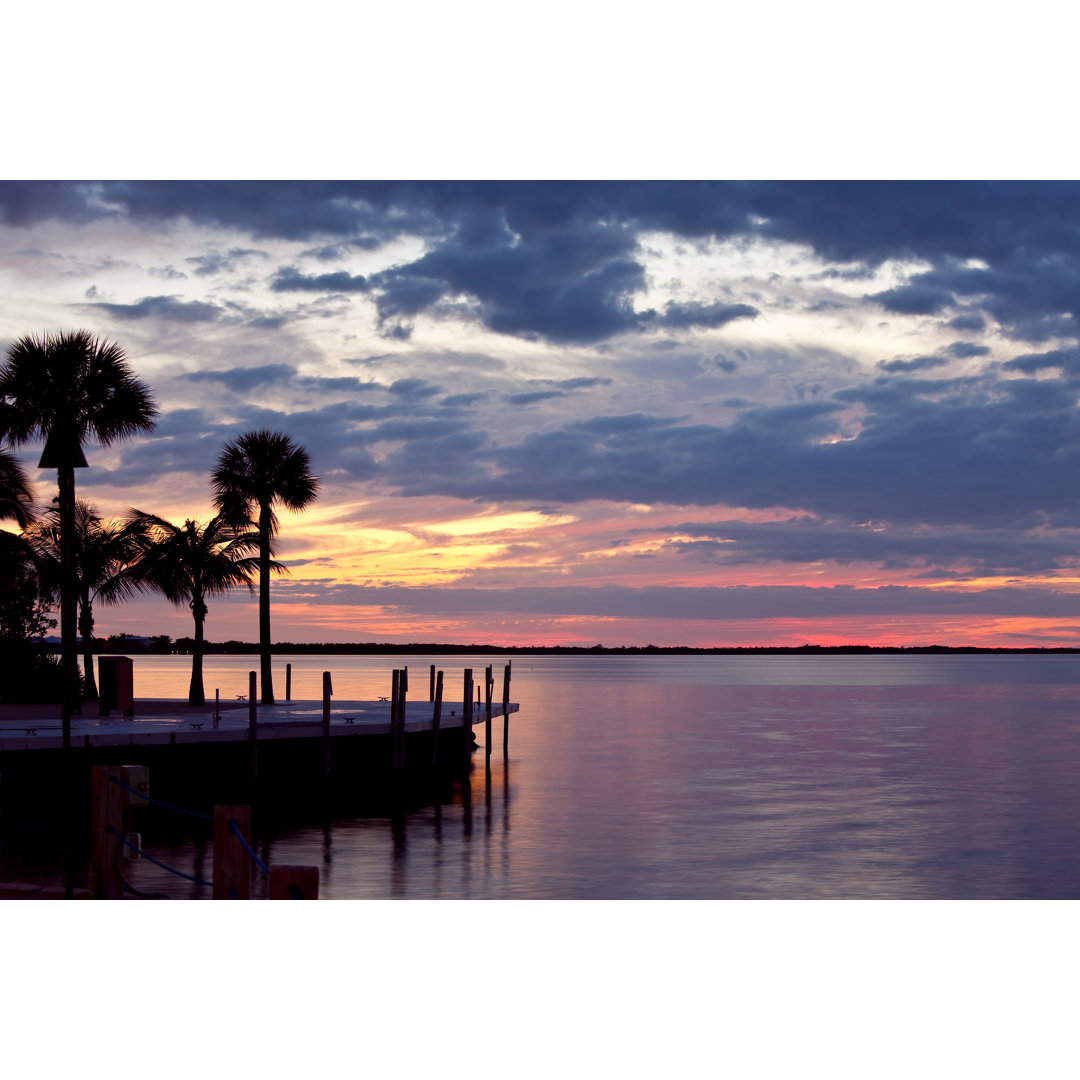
(63, 452)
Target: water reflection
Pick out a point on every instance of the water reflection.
(926, 777)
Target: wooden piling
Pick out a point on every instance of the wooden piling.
(232, 863)
(217, 708)
(467, 715)
(288, 682)
(294, 883)
(431, 683)
(396, 714)
(488, 684)
(436, 718)
(506, 709)
(327, 690)
(108, 802)
(253, 725)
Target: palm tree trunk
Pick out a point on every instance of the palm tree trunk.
(65, 476)
(264, 605)
(86, 630)
(196, 694)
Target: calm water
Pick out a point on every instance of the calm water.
(710, 778)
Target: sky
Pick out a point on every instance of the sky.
(596, 412)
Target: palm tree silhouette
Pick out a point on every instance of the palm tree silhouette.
(258, 470)
(104, 552)
(64, 387)
(187, 563)
(16, 495)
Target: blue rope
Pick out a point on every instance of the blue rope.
(158, 802)
(156, 862)
(240, 836)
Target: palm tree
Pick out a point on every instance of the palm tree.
(16, 495)
(258, 470)
(64, 387)
(189, 562)
(104, 552)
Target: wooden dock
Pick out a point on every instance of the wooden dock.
(172, 723)
(274, 755)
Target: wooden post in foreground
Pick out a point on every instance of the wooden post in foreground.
(288, 682)
(253, 721)
(327, 690)
(108, 801)
(431, 684)
(467, 714)
(395, 703)
(403, 691)
(232, 863)
(436, 719)
(489, 682)
(506, 708)
(294, 883)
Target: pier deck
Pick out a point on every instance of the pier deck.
(173, 722)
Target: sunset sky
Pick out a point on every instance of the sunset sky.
(745, 413)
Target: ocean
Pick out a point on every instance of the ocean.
(706, 778)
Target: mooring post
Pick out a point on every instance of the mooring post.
(294, 883)
(489, 682)
(108, 801)
(395, 695)
(252, 726)
(467, 715)
(403, 692)
(288, 682)
(327, 690)
(506, 709)
(232, 863)
(431, 683)
(217, 708)
(436, 719)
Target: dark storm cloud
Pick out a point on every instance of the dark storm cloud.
(913, 300)
(169, 308)
(1030, 363)
(976, 452)
(561, 260)
(968, 322)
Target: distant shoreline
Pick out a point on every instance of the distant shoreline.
(286, 648)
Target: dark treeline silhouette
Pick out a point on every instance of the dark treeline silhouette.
(365, 648)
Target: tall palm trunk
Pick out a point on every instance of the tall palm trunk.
(196, 693)
(264, 605)
(86, 632)
(65, 476)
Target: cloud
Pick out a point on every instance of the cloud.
(244, 380)
(960, 551)
(169, 308)
(963, 350)
(563, 262)
(220, 262)
(290, 279)
(914, 300)
(918, 363)
(738, 602)
(710, 315)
